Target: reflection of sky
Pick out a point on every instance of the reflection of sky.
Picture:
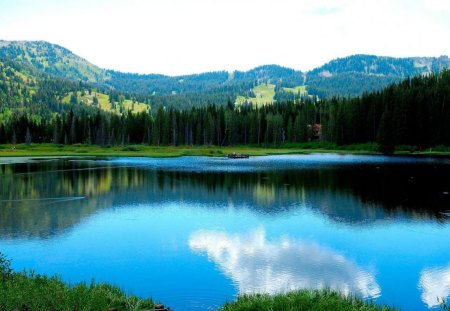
(254, 164)
(435, 283)
(258, 265)
(132, 227)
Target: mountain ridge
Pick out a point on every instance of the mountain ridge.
(347, 76)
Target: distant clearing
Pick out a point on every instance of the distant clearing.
(264, 94)
(301, 89)
(106, 105)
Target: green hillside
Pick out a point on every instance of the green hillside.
(357, 74)
(102, 101)
(44, 57)
(24, 91)
(27, 63)
(263, 94)
(298, 90)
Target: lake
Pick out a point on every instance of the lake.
(194, 232)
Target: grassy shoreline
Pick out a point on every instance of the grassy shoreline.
(303, 300)
(28, 291)
(24, 150)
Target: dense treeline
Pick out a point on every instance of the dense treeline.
(348, 84)
(414, 112)
(203, 82)
(209, 125)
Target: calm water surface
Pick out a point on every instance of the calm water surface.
(194, 232)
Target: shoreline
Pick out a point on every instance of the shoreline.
(78, 150)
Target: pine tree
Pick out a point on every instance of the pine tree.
(28, 137)
(14, 139)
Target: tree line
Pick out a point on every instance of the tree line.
(209, 125)
(414, 112)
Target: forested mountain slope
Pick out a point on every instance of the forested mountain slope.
(47, 88)
(414, 113)
(349, 76)
(52, 59)
(354, 75)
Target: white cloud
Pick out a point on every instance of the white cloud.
(437, 5)
(435, 284)
(174, 36)
(260, 266)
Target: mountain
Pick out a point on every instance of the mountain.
(43, 86)
(52, 59)
(343, 77)
(354, 75)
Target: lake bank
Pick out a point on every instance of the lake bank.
(23, 150)
(30, 291)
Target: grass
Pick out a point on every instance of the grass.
(264, 95)
(174, 151)
(103, 101)
(301, 89)
(23, 150)
(30, 291)
(136, 107)
(105, 104)
(307, 300)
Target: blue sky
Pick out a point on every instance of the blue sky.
(188, 36)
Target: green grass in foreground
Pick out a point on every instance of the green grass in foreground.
(308, 300)
(27, 291)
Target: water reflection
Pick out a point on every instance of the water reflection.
(257, 265)
(127, 221)
(435, 285)
(354, 195)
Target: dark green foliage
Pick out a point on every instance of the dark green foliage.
(349, 76)
(414, 112)
(199, 109)
(348, 84)
(30, 291)
(5, 269)
(358, 74)
(308, 300)
(210, 125)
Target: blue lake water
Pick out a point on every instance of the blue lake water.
(194, 232)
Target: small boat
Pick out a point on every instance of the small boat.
(235, 155)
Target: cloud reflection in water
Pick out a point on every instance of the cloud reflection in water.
(435, 283)
(257, 265)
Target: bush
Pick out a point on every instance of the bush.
(5, 268)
